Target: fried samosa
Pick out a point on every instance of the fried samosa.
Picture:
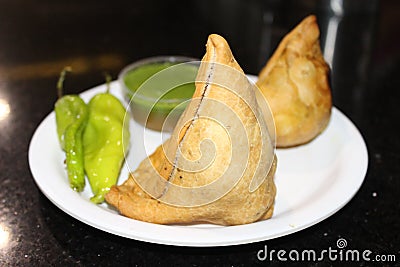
(219, 163)
(295, 83)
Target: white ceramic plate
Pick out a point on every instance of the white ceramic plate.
(313, 182)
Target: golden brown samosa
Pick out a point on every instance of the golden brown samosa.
(218, 166)
(295, 83)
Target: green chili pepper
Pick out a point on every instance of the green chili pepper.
(105, 142)
(71, 118)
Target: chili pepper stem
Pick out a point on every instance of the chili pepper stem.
(61, 80)
(108, 81)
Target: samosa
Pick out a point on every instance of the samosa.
(218, 165)
(295, 82)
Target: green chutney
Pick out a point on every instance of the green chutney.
(155, 89)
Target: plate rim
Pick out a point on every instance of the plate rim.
(166, 241)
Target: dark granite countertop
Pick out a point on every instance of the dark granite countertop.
(38, 38)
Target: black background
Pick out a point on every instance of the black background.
(38, 38)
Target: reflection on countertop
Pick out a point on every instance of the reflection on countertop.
(38, 38)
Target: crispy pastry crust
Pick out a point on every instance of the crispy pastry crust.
(295, 83)
(239, 205)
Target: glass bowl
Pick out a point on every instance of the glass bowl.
(157, 88)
